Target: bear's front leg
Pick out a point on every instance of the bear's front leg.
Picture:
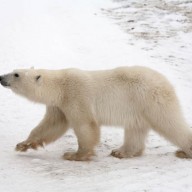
(88, 136)
(53, 126)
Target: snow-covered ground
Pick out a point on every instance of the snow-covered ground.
(94, 34)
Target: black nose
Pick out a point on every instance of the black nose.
(0, 78)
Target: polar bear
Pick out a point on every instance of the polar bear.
(135, 98)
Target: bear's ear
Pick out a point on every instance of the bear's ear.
(38, 77)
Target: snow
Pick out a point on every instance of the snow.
(92, 35)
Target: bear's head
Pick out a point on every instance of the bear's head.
(36, 85)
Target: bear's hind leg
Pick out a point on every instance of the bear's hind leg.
(134, 140)
(88, 136)
(171, 124)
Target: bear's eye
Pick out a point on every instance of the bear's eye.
(16, 75)
(38, 77)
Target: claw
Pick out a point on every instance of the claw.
(75, 156)
(24, 146)
(181, 154)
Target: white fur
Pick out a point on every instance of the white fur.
(136, 98)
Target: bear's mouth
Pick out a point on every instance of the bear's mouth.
(5, 84)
